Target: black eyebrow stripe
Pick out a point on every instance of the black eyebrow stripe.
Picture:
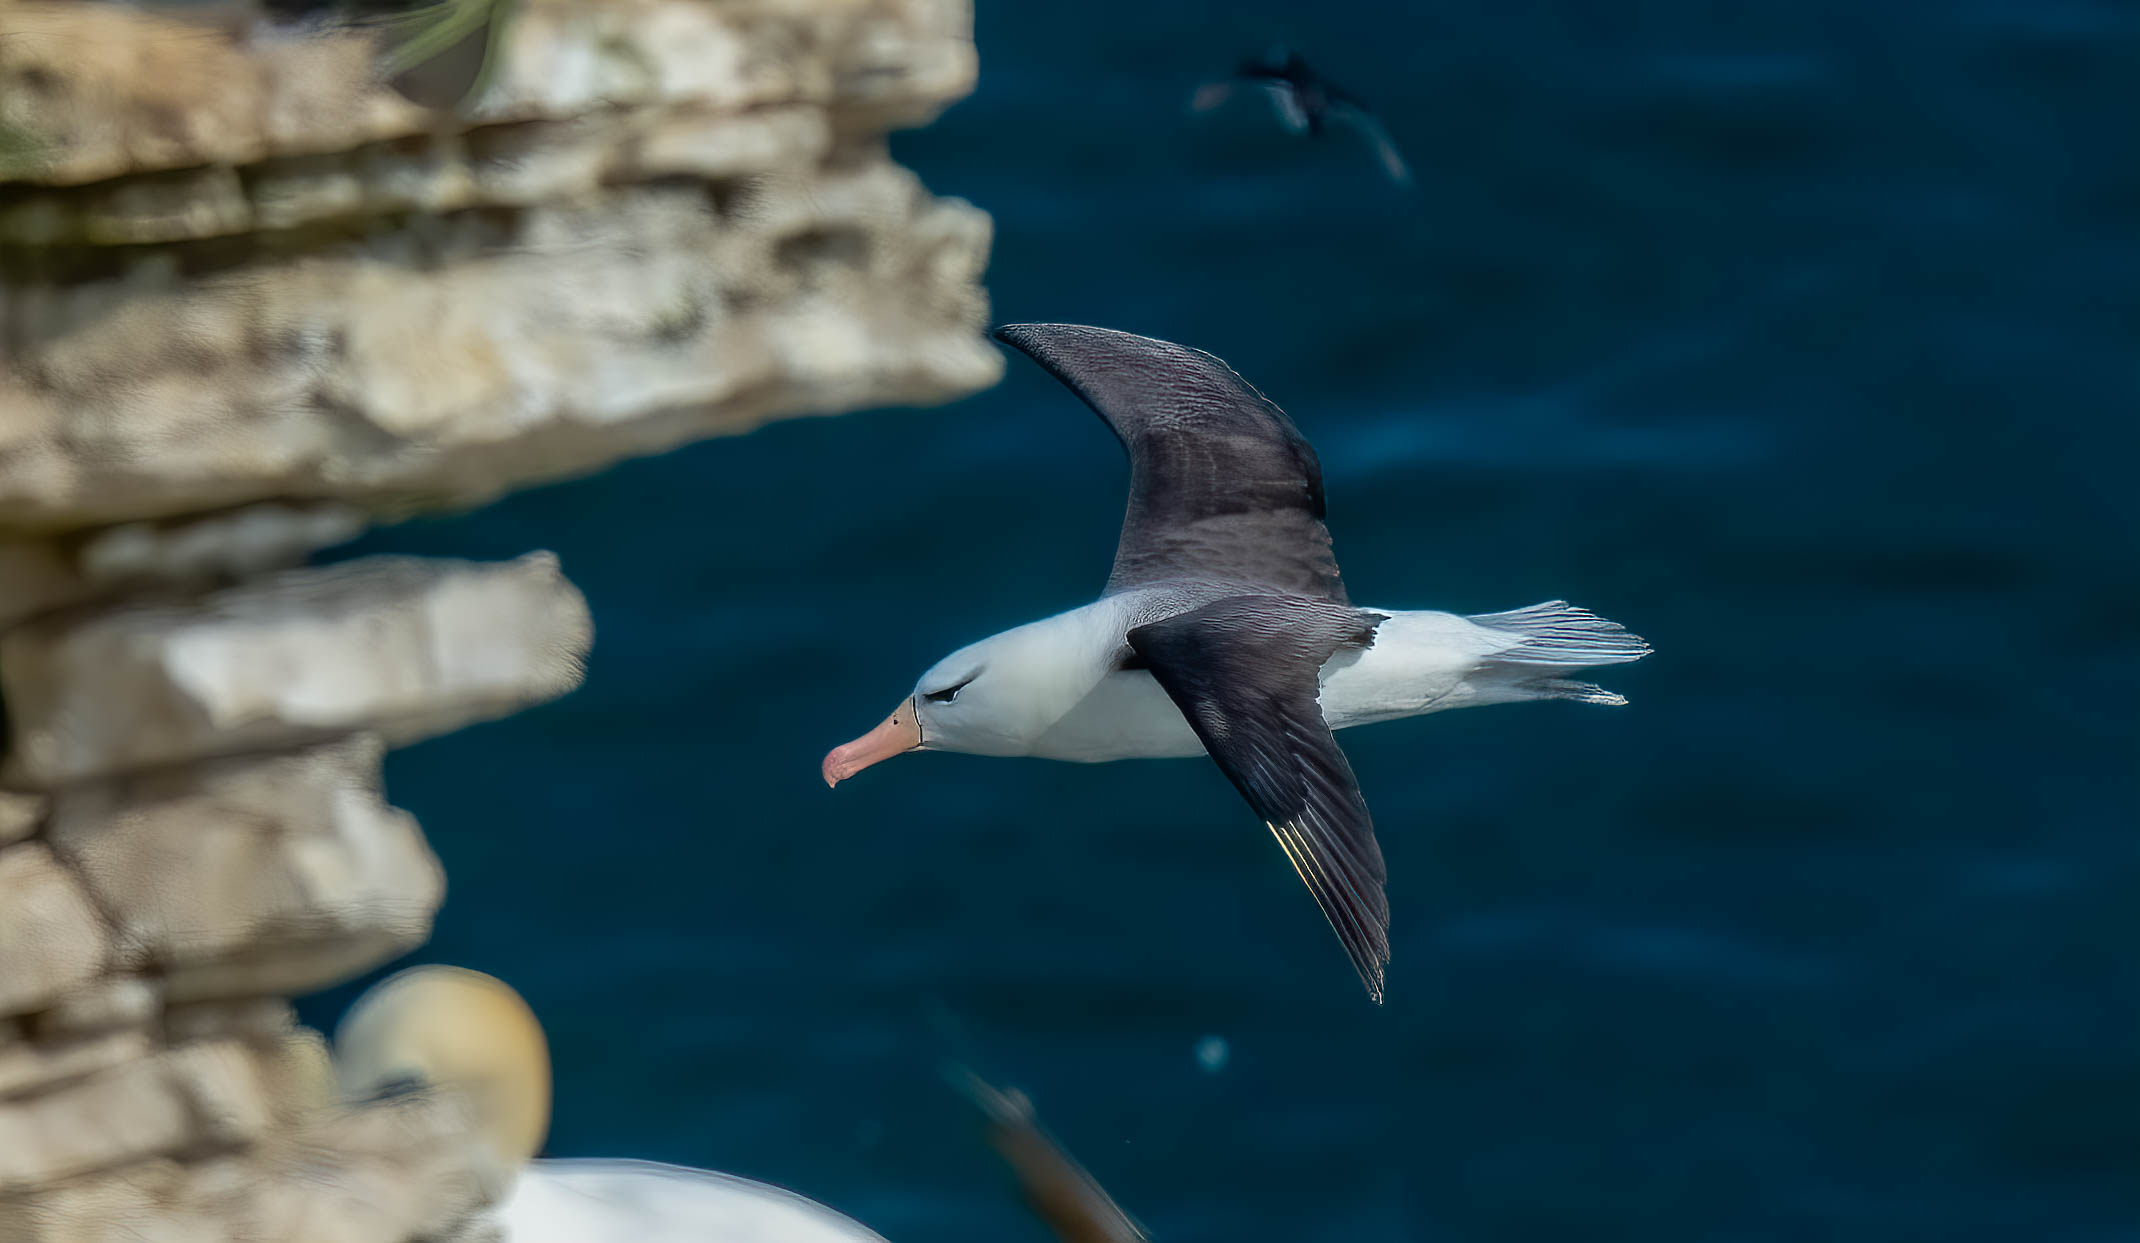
(944, 695)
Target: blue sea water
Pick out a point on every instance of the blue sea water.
(1797, 336)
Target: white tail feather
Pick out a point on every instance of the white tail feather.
(1558, 633)
(1568, 688)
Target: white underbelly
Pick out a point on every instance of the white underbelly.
(1419, 663)
(1126, 717)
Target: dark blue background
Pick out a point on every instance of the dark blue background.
(1799, 336)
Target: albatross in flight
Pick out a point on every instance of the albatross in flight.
(1226, 630)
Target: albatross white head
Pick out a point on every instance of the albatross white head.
(995, 697)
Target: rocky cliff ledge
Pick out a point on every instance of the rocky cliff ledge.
(250, 302)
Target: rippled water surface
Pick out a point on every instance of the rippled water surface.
(1798, 336)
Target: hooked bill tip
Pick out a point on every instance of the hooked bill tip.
(899, 733)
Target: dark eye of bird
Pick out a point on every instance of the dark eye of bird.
(403, 1084)
(947, 694)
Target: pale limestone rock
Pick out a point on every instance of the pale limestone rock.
(91, 92)
(172, 1103)
(411, 369)
(234, 544)
(137, 1204)
(386, 1173)
(38, 576)
(507, 165)
(169, 207)
(904, 62)
(447, 359)
(680, 141)
(35, 575)
(253, 876)
(26, 1067)
(259, 1019)
(382, 1174)
(224, 1090)
(20, 814)
(295, 1069)
(401, 1169)
(504, 166)
(193, 1102)
(300, 1074)
(101, 1006)
(50, 938)
(407, 647)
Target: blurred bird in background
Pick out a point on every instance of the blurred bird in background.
(434, 1026)
(1306, 103)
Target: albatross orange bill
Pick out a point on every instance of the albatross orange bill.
(900, 732)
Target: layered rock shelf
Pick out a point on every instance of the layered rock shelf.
(252, 302)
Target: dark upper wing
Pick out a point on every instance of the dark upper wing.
(1221, 485)
(1243, 670)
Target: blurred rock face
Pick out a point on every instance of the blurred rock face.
(275, 280)
(251, 300)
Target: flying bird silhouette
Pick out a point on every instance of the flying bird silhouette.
(1306, 102)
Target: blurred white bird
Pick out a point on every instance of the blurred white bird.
(446, 1026)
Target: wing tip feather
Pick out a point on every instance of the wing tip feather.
(1361, 929)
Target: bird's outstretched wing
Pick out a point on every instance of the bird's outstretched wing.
(1385, 150)
(1244, 672)
(1210, 95)
(1286, 102)
(1222, 488)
